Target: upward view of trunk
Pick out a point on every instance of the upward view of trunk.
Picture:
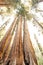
(17, 52)
(7, 34)
(28, 48)
(20, 58)
(26, 54)
(6, 40)
(9, 50)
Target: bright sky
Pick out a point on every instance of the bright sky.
(35, 35)
(40, 6)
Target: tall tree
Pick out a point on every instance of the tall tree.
(29, 51)
(17, 51)
(28, 48)
(6, 40)
(24, 14)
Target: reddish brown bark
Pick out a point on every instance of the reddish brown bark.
(6, 39)
(17, 49)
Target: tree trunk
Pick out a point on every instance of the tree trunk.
(17, 49)
(26, 55)
(28, 49)
(6, 40)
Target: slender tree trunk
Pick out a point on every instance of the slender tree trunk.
(8, 46)
(6, 40)
(26, 54)
(28, 49)
(20, 58)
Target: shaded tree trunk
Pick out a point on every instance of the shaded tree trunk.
(28, 49)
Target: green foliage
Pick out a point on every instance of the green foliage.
(34, 2)
(40, 61)
(14, 2)
(8, 10)
(39, 47)
(22, 11)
